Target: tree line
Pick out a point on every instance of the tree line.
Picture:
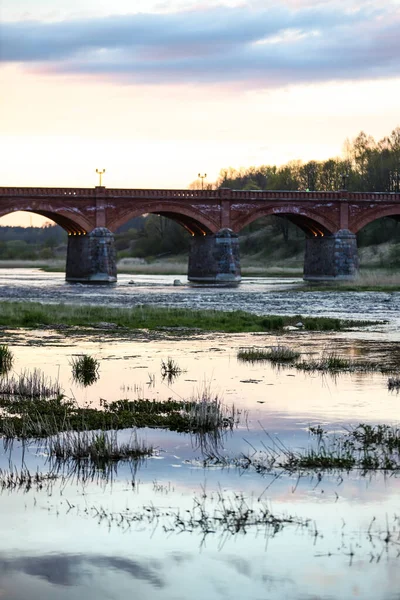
(366, 166)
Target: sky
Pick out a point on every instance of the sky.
(157, 91)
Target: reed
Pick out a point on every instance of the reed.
(274, 354)
(6, 359)
(97, 447)
(85, 369)
(30, 385)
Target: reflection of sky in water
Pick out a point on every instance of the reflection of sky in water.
(52, 543)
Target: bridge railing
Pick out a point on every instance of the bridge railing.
(30, 192)
(222, 193)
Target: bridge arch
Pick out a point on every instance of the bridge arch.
(373, 215)
(194, 222)
(78, 225)
(312, 223)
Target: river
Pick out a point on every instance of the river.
(118, 535)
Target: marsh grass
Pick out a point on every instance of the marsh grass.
(203, 413)
(97, 447)
(393, 383)
(170, 370)
(365, 448)
(39, 409)
(332, 362)
(328, 362)
(223, 514)
(85, 369)
(33, 314)
(30, 385)
(274, 354)
(6, 359)
(24, 480)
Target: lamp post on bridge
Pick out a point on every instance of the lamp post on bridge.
(344, 179)
(100, 172)
(394, 178)
(202, 177)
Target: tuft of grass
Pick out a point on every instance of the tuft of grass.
(30, 385)
(6, 359)
(328, 362)
(96, 447)
(17, 480)
(332, 362)
(170, 369)
(31, 314)
(393, 383)
(365, 448)
(275, 354)
(85, 369)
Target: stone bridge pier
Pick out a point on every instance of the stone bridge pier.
(91, 258)
(215, 258)
(331, 257)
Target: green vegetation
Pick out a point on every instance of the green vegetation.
(393, 383)
(96, 447)
(30, 414)
(33, 314)
(170, 370)
(331, 362)
(275, 354)
(29, 385)
(6, 359)
(85, 369)
(328, 362)
(23, 480)
(32, 243)
(364, 448)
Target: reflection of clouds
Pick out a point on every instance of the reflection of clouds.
(69, 569)
(241, 565)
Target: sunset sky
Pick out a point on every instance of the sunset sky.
(156, 91)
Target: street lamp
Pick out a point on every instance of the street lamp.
(344, 178)
(100, 172)
(394, 177)
(202, 177)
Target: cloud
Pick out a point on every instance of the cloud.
(251, 47)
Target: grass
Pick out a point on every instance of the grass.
(40, 415)
(24, 480)
(29, 385)
(85, 369)
(6, 359)
(96, 447)
(276, 354)
(328, 362)
(170, 370)
(393, 383)
(332, 362)
(224, 514)
(365, 448)
(33, 314)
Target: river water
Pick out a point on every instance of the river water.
(116, 535)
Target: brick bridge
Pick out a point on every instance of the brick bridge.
(213, 217)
